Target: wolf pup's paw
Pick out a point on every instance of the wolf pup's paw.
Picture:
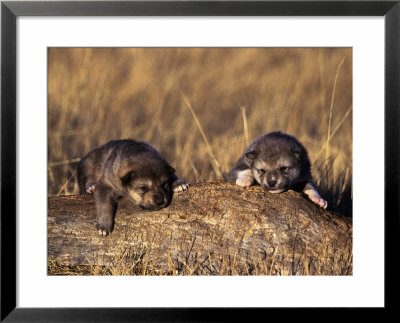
(319, 201)
(314, 196)
(180, 185)
(103, 229)
(90, 188)
(244, 181)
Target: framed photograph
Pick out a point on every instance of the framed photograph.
(202, 87)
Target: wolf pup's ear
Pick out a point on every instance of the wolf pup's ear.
(251, 155)
(297, 154)
(127, 178)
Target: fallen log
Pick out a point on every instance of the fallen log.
(214, 228)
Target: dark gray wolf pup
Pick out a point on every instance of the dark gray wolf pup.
(126, 168)
(277, 161)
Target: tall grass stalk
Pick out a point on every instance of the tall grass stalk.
(331, 107)
(65, 185)
(245, 127)
(64, 162)
(215, 163)
(326, 143)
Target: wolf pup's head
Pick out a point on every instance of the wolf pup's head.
(149, 184)
(278, 163)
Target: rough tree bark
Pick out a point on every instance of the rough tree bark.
(214, 228)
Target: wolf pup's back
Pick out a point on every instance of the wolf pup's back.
(126, 168)
(277, 161)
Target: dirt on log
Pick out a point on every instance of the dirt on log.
(214, 228)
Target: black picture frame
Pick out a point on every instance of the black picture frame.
(10, 10)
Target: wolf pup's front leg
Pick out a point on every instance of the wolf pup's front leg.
(241, 173)
(178, 184)
(314, 196)
(106, 206)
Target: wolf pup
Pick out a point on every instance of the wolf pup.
(277, 161)
(126, 168)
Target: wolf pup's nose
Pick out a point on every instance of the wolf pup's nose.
(159, 200)
(272, 183)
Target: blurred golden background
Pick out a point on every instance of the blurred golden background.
(200, 107)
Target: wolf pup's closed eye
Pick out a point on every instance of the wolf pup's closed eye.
(126, 168)
(277, 161)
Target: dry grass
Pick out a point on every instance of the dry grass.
(128, 263)
(201, 106)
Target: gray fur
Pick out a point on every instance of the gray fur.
(277, 161)
(126, 168)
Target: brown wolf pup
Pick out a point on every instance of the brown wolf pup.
(277, 161)
(126, 168)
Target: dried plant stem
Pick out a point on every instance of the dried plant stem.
(215, 163)
(195, 171)
(65, 185)
(245, 127)
(331, 107)
(334, 132)
(64, 162)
